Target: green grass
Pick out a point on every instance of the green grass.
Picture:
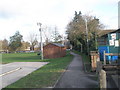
(20, 57)
(45, 76)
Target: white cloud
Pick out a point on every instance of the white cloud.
(24, 14)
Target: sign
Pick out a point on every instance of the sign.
(116, 43)
(111, 42)
(113, 36)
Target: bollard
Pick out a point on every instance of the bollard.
(102, 80)
(104, 58)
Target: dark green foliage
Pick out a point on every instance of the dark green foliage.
(77, 32)
(56, 36)
(15, 41)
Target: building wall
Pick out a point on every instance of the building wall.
(102, 41)
(52, 51)
(108, 47)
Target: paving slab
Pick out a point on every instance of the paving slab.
(17, 71)
(113, 81)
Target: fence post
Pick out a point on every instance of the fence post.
(102, 80)
(104, 58)
(99, 67)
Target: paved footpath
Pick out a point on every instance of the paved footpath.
(11, 72)
(75, 77)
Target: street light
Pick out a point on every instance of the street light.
(87, 35)
(41, 44)
(97, 21)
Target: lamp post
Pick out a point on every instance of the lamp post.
(87, 36)
(41, 44)
(97, 21)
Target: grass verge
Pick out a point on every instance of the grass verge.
(45, 76)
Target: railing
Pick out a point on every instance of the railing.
(110, 54)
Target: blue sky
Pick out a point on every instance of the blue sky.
(23, 15)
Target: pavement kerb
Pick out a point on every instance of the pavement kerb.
(10, 71)
(62, 74)
(84, 65)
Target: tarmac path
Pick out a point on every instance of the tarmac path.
(75, 77)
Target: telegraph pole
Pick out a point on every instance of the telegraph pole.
(41, 44)
(87, 36)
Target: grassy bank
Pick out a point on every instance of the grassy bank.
(20, 57)
(45, 76)
(86, 60)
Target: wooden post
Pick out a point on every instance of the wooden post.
(99, 67)
(98, 58)
(102, 80)
(109, 61)
(104, 58)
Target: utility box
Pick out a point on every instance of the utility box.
(94, 59)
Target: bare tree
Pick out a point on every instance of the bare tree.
(24, 46)
(33, 41)
(5, 45)
(0, 45)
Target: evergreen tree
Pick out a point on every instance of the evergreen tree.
(15, 41)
